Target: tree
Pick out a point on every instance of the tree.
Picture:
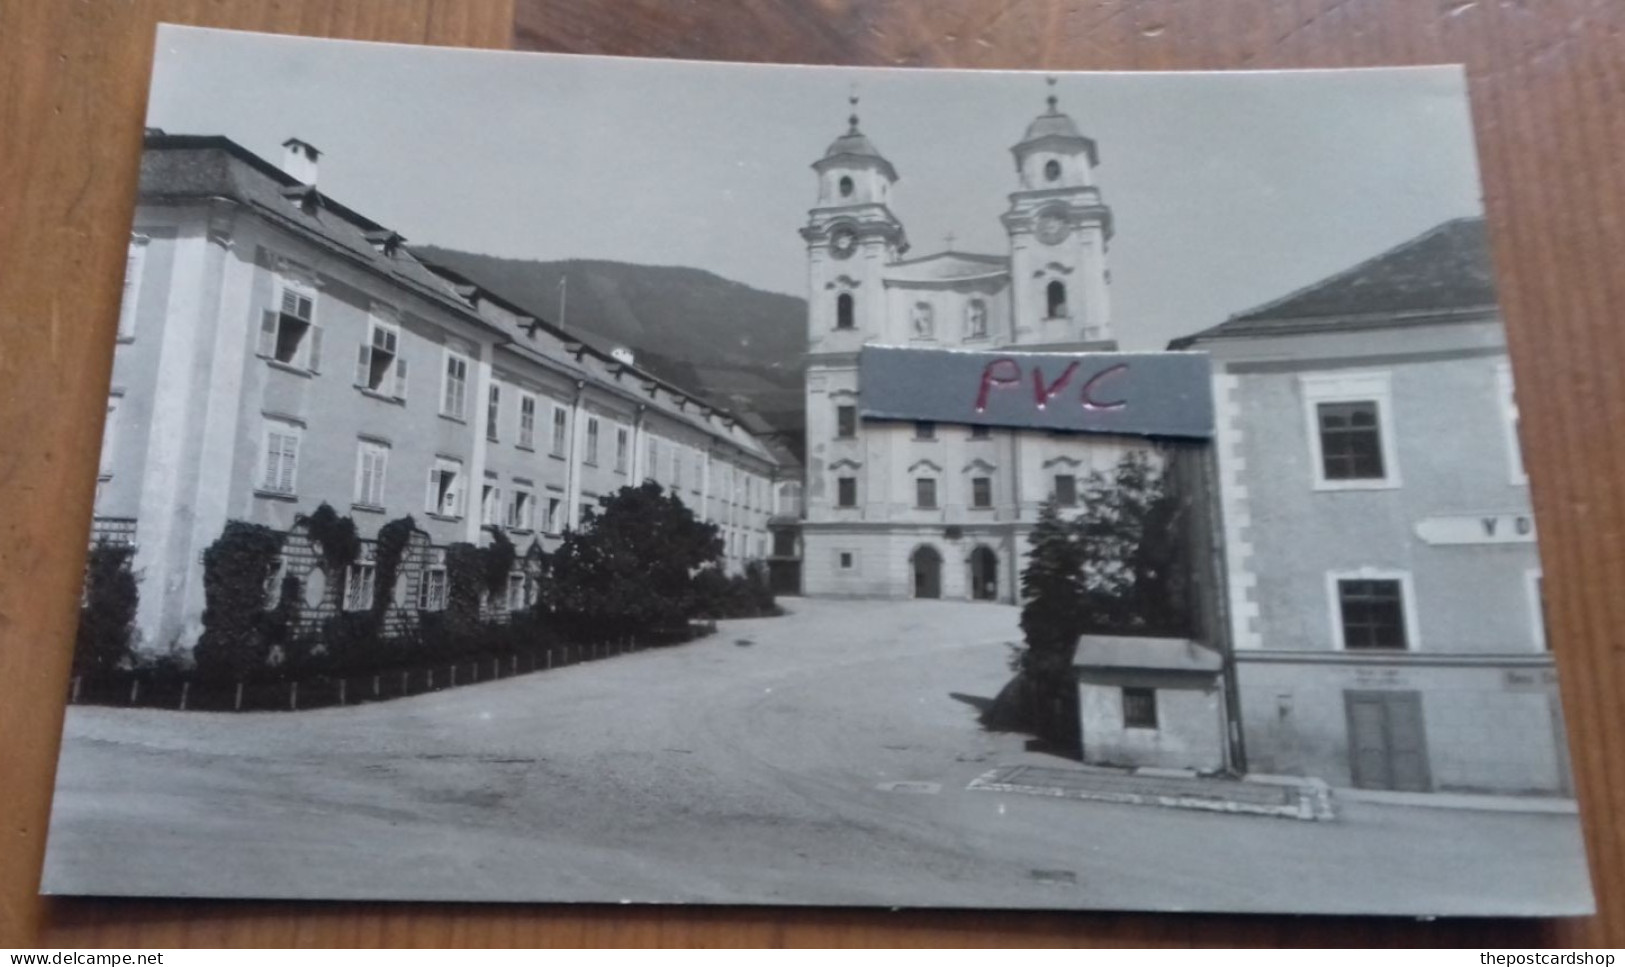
(107, 614)
(1118, 567)
(630, 568)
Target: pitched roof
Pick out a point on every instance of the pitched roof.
(1443, 273)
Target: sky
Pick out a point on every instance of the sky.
(1227, 189)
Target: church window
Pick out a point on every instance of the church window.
(981, 490)
(846, 421)
(1066, 490)
(925, 493)
(976, 319)
(1055, 299)
(846, 186)
(1052, 170)
(843, 311)
(846, 492)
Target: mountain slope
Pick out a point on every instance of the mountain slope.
(741, 347)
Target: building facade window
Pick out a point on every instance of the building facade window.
(288, 333)
(925, 430)
(846, 421)
(445, 494)
(379, 367)
(432, 590)
(493, 411)
(1536, 585)
(516, 591)
(371, 464)
(651, 459)
(1139, 708)
(623, 444)
(1066, 490)
(490, 504)
(845, 312)
(847, 560)
(561, 431)
(1350, 430)
(360, 579)
(784, 543)
(1371, 611)
(521, 510)
(846, 492)
(981, 492)
(454, 387)
(980, 433)
(527, 421)
(135, 264)
(551, 523)
(925, 493)
(280, 466)
(591, 456)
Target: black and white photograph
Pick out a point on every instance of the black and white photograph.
(558, 478)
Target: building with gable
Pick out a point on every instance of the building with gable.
(278, 350)
(1383, 581)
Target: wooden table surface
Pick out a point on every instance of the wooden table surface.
(1548, 91)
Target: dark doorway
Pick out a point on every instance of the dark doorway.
(927, 572)
(984, 574)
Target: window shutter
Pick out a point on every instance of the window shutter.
(363, 365)
(268, 320)
(315, 357)
(400, 378)
(429, 503)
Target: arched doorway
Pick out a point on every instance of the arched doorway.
(984, 573)
(927, 564)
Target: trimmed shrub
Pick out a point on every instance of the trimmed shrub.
(237, 636)
(107, 612)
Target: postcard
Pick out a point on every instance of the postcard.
(570, 479)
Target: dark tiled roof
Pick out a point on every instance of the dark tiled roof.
(1442, 273)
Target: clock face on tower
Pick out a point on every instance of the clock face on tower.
(843, 242)
(1052, 228)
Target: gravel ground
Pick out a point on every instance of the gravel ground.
(816, 758)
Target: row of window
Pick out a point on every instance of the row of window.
(361, 577)
(445, 495)
(1351, 429)
(846, 426)
(923, 317)
(1064, 490)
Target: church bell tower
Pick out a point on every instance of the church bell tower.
(851, 235)
(1059, 230)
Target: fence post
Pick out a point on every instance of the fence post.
(453, 683)
(186, 686)
(375, 686)
(237, 703)
(406, 683)
(342, 683)
(73, 697)
(429, 675)
(293, 696)
(135, 690)
(514, 665)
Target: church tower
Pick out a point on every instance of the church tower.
(1059, 229)
(851, 235)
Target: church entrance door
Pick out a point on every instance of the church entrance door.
(927, 572)
(984, 574)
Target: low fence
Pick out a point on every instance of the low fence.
(139, 689)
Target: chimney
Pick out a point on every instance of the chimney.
(299, 160)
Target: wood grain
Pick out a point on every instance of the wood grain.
(1548, 88)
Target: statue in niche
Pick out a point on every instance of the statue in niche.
(976, 320)
(924, 321)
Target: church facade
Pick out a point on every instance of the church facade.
(900, 510)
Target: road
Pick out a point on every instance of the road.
(755, 766)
